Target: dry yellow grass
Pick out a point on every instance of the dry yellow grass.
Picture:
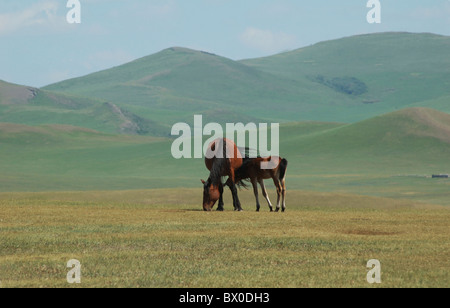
(161, 238)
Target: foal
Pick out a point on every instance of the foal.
(251, 170)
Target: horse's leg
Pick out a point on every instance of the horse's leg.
(220, 206)
(236, 202)
(229, 183)
(265, 194)
(255, 191)
(283, 193)
(276, 181)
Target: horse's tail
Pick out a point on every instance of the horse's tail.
(283, 167)
(242, 184)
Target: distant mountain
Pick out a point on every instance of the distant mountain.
(379, 73)
(344, 80)
(31, 106)
(177, 83)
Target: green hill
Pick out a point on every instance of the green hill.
(31, 106)
(409, 141)
(344, 80)
(177, 83)
(387, 71)
(387, 155)
(364, 114)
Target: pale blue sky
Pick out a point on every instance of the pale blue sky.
(39, 47)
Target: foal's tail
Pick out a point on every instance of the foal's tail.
(283, 167)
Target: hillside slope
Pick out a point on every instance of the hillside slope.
(177, 83)
(344, 80)
(321, 155)
(31, 106)
(409, 141)
(382, 72)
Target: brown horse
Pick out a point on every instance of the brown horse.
(251, 170)
(223, 158)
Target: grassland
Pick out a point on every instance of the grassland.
(355, 192)
(388, 156)
(161, 238)
(358, 179)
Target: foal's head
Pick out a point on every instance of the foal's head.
(211, 194)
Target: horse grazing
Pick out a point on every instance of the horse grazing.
(251, 170)
(223, 158)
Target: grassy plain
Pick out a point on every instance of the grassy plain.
(357, 190)
(161, 238)
(392, 156)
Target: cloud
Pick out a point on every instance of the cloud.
(37, 14)
(268, 41)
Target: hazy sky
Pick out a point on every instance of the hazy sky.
(38, 46)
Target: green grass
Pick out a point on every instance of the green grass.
(161, 238)
(389, 156)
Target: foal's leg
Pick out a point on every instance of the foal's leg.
(283, 193)
(255, 191)
(264, 191)
(276, 181)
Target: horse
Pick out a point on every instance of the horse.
(223, 158)
(251, 170)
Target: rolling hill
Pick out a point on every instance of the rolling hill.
(177, 83)
(409, 141)
(31, 106)
(384, 71)
(366, 157)
(344, 80)
(364, 114)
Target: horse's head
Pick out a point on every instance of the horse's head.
(211, 194)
